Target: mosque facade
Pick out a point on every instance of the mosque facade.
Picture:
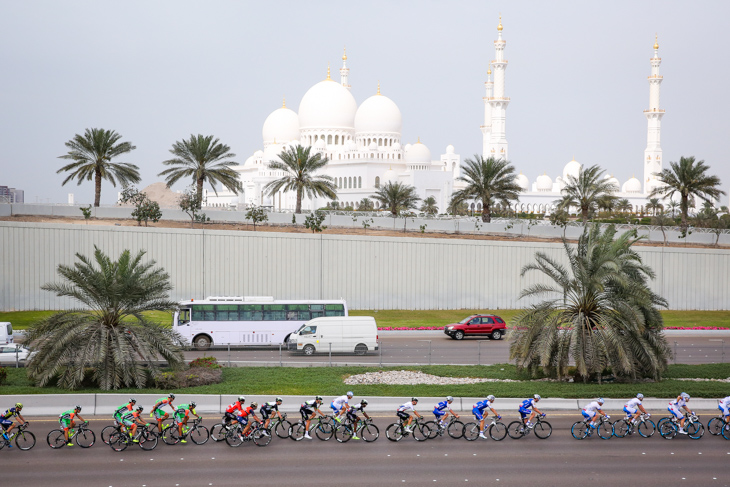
(364, 148)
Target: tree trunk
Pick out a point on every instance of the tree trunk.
(486, 213)
(199, 190)
(97, 182)
(584, 213)
(685, 210)
(298, 210)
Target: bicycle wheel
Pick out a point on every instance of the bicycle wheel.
(714, 426)
(620, 428)
(199, 434)
(497, 431)
(56, 439)
(148, 440)
(218, 432)
(646, 428)
(516, 430)
(695, 430)
(726, 432)
(282, 429)
(324, 430)
(543, 430)
(579, 430)
(85, 438)
(117, 441)
(171, 436)
(343, 433)
(296, 432)
(605, 430)
(260, 438)
(456, 429)
(667, 430)
(421, 432)
(369, 433)
(25, 440)
(434, 428)
(394, 432)
(471, 431)
(660, 422)
(107, 432)
(234, 437)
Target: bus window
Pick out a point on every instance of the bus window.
(316, 307)
(204, 312)
(334, 310)
(274, 312)
(184, 316)
(308, 330)
(251, 312)
(304, 316)
(226, 312)
(316, 314)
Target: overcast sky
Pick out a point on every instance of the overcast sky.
(157, 71)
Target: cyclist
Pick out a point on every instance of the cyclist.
(245, 413)
(230, 414)
(157, 412)
(589, 412)
(66, 420)
(6, 420)
(404, 413)
(634, 407)
(308, 410)
(354, 418)
(340, 405)
(440, 411)
(527, 407)
(182, 413)
(674, 408)
(130, 419)
(124, 409)
(724, 406)
(267, 411)
(479, 411)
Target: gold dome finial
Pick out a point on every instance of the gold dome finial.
(656, 41)
(344, 53)
(419, 140)
(283, 102)
(499, 27)
(378, 88)
(328, 71)
(489, 72)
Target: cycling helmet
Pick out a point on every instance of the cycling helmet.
(192, 405)
(241, 399)
(77, 408)
(254, 404)
(350, 394)
(449, 398)
(685, 396)
(132, 400)
(18, 405)
(491, 398)
(600, 400)
(318, 398)
(278, 399)
(364, 402)
(140, 409)
(171, 396)
(537, 396)
(414, 399)
(639, 396)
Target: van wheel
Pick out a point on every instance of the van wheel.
(496, 335)
(361, 349)
(459, 335)
(308, 350)
(201, 342)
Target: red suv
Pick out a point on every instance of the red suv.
(490, 325)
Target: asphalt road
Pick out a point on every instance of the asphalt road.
(412, 348)
(557, 461)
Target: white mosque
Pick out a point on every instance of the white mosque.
(364, 148)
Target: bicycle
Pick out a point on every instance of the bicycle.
(366, 430)
(257, 433)
(715, 425)
(198, 433)
(496, 430)
(280, 426)
(145, 438)
(321, 425)
(84, 437)
(626, 426)
(518, 429)
(153, 428)
(669, 427)
(454, 428)
(582, 429)
(24, 440)
(397, 431)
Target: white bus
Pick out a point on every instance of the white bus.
(248, 320)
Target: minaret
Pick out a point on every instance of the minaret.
(498, 102)
(487, 127)
(344, 71)
(653, 151)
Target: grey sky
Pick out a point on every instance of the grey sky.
(157, 71)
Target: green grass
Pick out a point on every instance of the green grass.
(22, 319)
(329, 381)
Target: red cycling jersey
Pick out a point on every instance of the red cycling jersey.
(246, 411)
(236, 406)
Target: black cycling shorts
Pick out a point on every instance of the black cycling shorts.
(403, 415)
(306, 413)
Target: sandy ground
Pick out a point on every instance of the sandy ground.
(301, 229)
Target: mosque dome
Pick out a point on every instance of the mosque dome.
(397, 146)
(417, 152)
(250, 161)
(390, 176)
(281, 125)
(571, 169)
(523, 182)
(449, 149)
(373, 146)
(544, 183)
(378, 114)
(351, 145)
(258, 154)
(320, 145)
(633, 185)
(614, 181)
(272, 152)
(327, 105)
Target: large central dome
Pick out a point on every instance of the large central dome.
(378, 114)
(327, 105)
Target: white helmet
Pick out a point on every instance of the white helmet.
(349, 394)
(685, 396)
(600, 400)
(449, 398)
(639, 396)
(491, 398)
(537, 396)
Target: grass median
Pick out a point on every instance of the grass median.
(329, 381)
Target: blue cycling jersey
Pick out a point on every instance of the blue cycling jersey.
(527, 404)
(442, 406)
(9, 413)
(482, 405)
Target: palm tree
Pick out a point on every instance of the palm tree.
(488, 180)
(586, 191)
(653, 205)
(607, 203)
(92, 154)
(598, 311)
(110, 334)
(396, 197)
(365, 204)
(300, 168)
(673, 206)
(205, 159)
(623, 205)
(429, 206)
(689, 179)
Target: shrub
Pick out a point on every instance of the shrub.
(205, 362)
(3, 375)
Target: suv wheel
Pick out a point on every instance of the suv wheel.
(497, 335)
(459, 335)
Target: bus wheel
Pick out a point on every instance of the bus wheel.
(361, 349)
(308, 350)
(201, 342)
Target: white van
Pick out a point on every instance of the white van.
(6, 333)
(348, 334)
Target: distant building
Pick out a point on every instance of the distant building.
(11, 195)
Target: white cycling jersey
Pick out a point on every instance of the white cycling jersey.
(407, 407)
(725, 402)
(633, 403)
(340, 401)
(592, 407)
(676, 404)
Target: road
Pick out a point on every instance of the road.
(558, 461)
(412, 348)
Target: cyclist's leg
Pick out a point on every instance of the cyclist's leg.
(65, 426)
(588, 418)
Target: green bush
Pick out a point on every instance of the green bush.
(205, 362)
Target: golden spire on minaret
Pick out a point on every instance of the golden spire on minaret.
(489, 71)
(378, 88)
(656, 41)
(328, 72)
(283, 102)
(499, 27)
(344, 54)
